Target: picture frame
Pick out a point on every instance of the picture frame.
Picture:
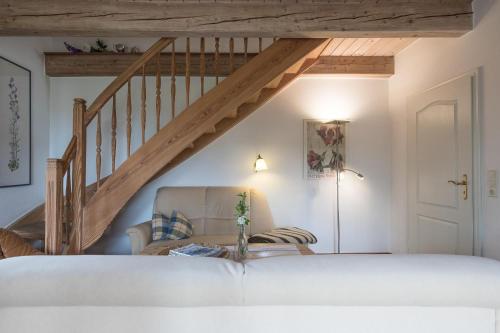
(15, 124)
(321, 153)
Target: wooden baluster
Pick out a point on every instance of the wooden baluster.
(245, 42)
(67, 204)
(231, 55)
(202, 65)
(172, 84)
(143, 105)
(158, 92)
(188, 73)
(129, 116)
(113, 135)
(69, 183)
(79, 174)
(53, 206)
(98, 141)
(216, 60)
(260, 44)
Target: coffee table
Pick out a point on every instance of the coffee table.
(265, 250)
(255, 250)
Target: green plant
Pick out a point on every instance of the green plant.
(241, 210)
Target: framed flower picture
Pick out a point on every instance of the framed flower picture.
(324, 148)
(15, 124)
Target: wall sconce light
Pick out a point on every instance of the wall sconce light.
(260, 164)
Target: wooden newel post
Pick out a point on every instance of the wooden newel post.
(53, 206)
(79, 131)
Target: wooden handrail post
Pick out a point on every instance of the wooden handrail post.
(79, 180)
(54, 206)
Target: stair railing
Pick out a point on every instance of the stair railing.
(64, 207)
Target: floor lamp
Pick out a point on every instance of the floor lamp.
(339, 168)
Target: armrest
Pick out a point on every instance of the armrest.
(140, 236)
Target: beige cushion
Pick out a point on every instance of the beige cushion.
(162, 247)
(210, 209)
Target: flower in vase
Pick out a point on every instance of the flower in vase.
(241, 210)
(242, 220)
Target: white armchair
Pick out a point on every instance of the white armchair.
(140, 236)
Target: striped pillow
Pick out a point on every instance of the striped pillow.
(176, 227)
(291, 235)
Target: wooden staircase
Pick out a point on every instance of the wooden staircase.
(203, 121)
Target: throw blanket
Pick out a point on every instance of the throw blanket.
(284, 235)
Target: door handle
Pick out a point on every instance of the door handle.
(463, 183)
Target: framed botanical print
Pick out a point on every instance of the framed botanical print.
(15, 124)
(324, 148)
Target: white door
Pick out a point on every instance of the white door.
(440, 159)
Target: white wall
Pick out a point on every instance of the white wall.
(276, 132)
(27, 52)
(427, 63)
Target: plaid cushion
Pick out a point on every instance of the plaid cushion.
(175, 227)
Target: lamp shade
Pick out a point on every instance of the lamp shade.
(260, 164)
(355, 172)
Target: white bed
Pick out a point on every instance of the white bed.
(323, 293)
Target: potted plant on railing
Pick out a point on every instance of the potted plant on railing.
(241, 212)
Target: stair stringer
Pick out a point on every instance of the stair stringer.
(197, 120)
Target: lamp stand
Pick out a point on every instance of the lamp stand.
(338, 169)
(338, 208)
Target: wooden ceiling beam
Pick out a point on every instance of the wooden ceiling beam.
(354, 65)
(298, 18)
(112, 64)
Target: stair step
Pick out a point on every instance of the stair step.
(211, 130)
(274, 83)
(296, 67)
(234, 113)
(254, 98)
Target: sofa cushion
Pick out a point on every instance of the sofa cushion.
(177, 226)
(210, 209)
(292, 235)
(107, 280)
(374, 280)
(321, 280)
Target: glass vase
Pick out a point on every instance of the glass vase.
(242, 245)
